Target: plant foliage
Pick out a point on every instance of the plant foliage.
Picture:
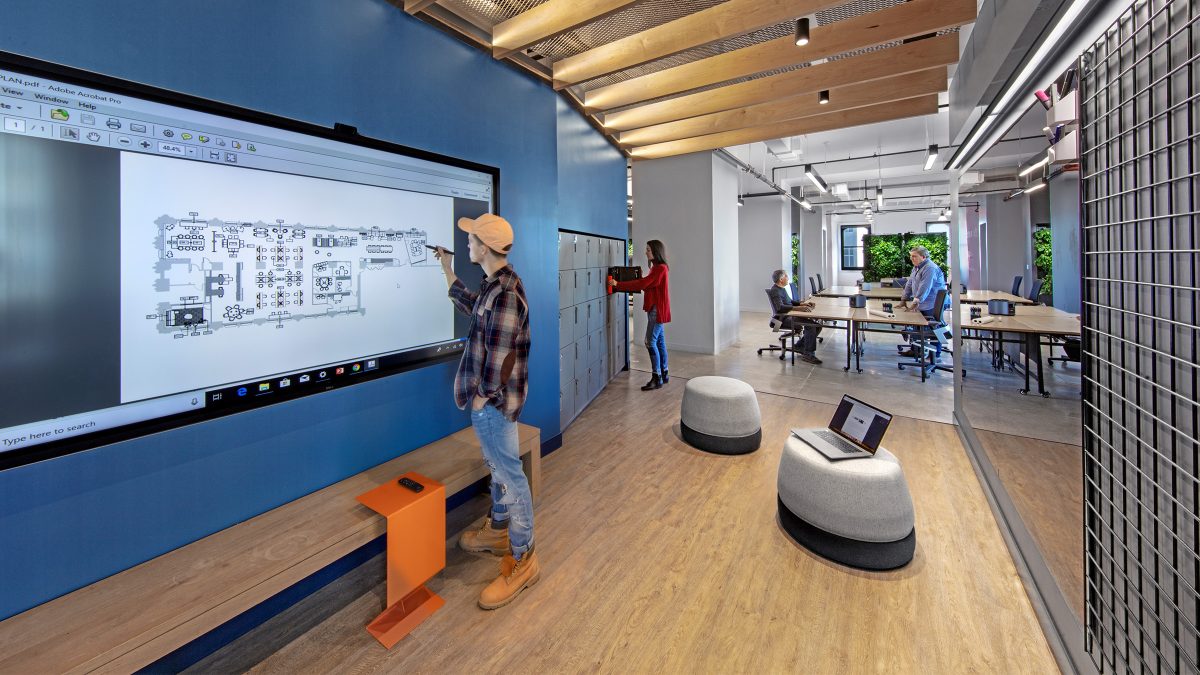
(887, 254)
(1043, 258)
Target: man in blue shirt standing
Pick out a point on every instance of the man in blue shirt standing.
(923, 284)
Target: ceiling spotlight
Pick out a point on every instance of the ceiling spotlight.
(801, 32)
(1029, 169)
(815, 178)
(741, 202)
(931, 154)
(823, 97)
(943, 217)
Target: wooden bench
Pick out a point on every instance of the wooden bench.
(135, 617)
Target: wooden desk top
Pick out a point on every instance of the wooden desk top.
(1028, 319)
(876, 291)
(981, 297)
(839, 309)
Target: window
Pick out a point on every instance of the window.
(938, 227)
(852, 246)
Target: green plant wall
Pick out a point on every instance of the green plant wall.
(1043, 259)
(887, 254)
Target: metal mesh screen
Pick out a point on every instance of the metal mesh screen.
(1141, 249)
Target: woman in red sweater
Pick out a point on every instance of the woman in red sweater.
(657, 305)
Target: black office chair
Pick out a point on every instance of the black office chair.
(820, 284)
(1017, 285)
(929, 339)
(813, 282)
(784, 335)
(1037, 288)
(1071, 346)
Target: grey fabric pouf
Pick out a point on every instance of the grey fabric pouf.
(720, 414)
(857, 512)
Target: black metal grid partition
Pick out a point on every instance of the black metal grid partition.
(1139, 89)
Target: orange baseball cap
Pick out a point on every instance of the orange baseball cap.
(492, 230)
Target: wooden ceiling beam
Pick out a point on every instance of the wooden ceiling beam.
(912, 57)
(911, 19)
(414, 6)
(547, 20)
(721, 22)
(885, 112)
(862, 95)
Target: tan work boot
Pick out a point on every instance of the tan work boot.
(486, 538)
(515, 576)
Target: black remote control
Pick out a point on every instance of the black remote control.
(411, 484)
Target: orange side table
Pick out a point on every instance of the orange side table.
(416, 550)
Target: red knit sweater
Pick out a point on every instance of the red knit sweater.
(656, 288)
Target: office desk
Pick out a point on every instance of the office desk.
(1031, 323)
(875, 292)
(839, 309)
(982, 297)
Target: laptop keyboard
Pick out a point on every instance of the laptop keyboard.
(838, 442)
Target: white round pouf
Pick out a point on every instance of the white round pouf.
(720, 414)
(857, 512)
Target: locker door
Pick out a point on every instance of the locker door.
(598, 291)
(605, 372)
(581, 288)
(566, 327)
(566, 366)
(578, 252)
(594, 381)
(617, 255)
(566, 289)
(611, 310)
(602, 341)
(580, 318)
(597, 337)
(597, 315)
(579, 355)
(589, 284)
(566, 251)
(566, 406)
(580, 396)
(593, 252)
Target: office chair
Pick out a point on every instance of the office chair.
(820, 284)
(1033, 293)
(1071, 346)
(1017, 285)
(813, 282)
(931, 341)
(777, 327)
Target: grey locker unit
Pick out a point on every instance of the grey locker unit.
(591, 323)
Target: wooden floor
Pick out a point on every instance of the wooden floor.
(660, 559)
(1045, 482)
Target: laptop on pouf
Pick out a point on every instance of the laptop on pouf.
(856, 430)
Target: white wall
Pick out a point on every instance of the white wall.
(885, 223)
(764, 245)
(1064, 240)
(724, 278)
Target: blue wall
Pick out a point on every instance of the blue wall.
(71, 521)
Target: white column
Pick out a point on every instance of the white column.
(764, 245)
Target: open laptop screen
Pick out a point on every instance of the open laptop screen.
(861, 423)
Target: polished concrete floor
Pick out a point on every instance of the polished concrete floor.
(991, 398)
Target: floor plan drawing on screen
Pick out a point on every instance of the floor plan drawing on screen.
(232, 273)
(215, 273)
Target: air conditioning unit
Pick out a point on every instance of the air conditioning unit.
(971, 178)
(841, 190)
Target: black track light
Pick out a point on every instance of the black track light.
(823, 97)
(801, 32)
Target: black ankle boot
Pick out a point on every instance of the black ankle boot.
(665, 378)
(654, 383)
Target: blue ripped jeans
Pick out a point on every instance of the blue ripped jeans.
(511, 499)
(656, 343)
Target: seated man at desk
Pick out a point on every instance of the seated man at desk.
(922, 287)
(781, 304)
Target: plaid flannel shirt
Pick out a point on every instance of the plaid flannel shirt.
(495, 363)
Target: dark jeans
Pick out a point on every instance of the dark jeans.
(808, 330)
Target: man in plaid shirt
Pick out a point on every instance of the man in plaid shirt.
(493, 379)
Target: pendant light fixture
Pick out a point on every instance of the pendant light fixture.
(801, 32)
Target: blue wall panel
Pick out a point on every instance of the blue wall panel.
(70, 521)
(590, 172)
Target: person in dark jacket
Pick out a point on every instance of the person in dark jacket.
(657, 304)
(782, 306)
